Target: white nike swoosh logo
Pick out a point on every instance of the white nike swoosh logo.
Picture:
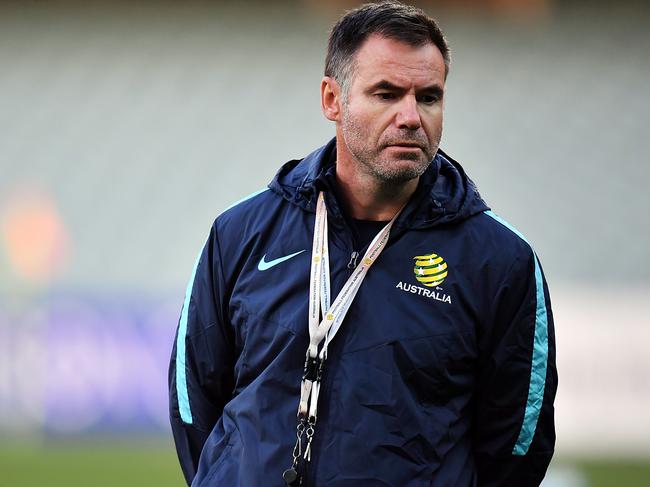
(264, 265)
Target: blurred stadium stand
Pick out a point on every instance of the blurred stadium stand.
(125, 128)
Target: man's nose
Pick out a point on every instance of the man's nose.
(408, 116)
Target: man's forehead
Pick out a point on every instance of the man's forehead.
(379, 44)
(386, 58)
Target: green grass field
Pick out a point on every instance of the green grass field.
(92, 463)
(153, 463)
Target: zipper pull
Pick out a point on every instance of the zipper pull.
(353, 260)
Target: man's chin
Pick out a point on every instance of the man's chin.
(402, 170)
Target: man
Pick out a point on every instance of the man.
(367, 320)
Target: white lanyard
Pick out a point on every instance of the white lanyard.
(332, 316)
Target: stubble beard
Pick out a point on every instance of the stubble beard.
(375, 160)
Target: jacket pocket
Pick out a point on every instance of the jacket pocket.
(223, 471)
(436, 368)
(266, 344)
(222, 458)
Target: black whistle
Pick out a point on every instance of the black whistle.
(290, 477)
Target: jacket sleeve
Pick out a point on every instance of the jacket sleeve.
(201, 367)
(517, 379)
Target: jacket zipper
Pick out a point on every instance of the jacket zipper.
(353, 260)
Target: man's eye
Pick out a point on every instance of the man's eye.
(385, 96)
(428, 99)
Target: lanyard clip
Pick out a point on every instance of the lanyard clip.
(313, 368)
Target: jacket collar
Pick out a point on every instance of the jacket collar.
(444, 194)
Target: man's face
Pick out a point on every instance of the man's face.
(391, 119)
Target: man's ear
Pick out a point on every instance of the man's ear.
(330, 98)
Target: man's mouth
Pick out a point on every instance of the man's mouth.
(405, 145)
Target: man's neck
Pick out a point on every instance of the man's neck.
(367, 198)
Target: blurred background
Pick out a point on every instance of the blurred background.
(126, 127)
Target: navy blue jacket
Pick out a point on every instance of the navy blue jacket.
(446, 385)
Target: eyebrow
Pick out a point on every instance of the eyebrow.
(387, 85)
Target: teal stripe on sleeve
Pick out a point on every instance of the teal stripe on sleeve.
(181, 379)
(539, 359)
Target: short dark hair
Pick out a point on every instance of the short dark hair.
(390, 19)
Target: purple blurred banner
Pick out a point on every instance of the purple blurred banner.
(82, 365)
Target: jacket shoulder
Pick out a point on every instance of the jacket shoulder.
(498, 233)
(247, 213)
(245, 205)
(245, 227)
(500, 242)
